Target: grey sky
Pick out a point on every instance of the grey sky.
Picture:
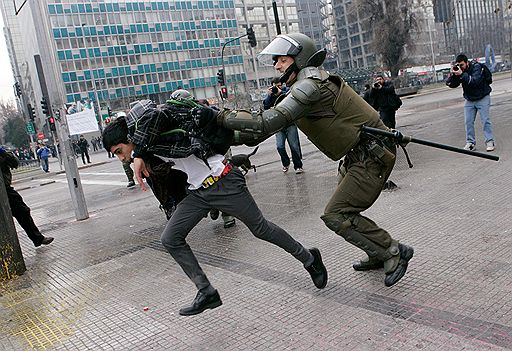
(6, 78)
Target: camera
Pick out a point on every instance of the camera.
(456, 67)
(376, 85)
(274, 90)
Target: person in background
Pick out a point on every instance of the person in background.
(43, 153)
(289, 133)
(83, 146)
(476, 80)
(19, 209)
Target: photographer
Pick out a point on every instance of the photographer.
(289, 133)
(476, 80)
(383, 98)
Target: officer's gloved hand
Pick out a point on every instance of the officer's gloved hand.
(203, 115)
(221, 115)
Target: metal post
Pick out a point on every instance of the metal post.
(89, 62)
(222, 57)
(57, 95)
(432, 51)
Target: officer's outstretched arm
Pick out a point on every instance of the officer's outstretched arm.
(261, 125)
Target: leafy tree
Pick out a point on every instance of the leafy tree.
(13, 125)
(392, 23)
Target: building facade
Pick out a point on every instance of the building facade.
(469, 26)
(260, 15)
(116, 52)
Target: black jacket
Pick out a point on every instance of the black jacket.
(383, 98)
(7, 162)
(474, 83)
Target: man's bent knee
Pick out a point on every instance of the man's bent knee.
(337, 222)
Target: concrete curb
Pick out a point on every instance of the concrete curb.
(46, 175)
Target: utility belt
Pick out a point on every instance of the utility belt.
(209, 181)
(380, 149)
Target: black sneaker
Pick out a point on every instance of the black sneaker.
(131, 183)
(201, 303)
(406, 253)
(317, 269)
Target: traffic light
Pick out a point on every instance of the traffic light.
(51, 123)
(224, 92)
(31, 112)
(17, 89)
(220, 77)
(251, 36)
(109, 111)
(44, 106)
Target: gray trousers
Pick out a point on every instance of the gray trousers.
(230, 195)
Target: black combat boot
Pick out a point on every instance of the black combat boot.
(367, 264)
(406, 253)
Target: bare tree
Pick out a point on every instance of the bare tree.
(392, 23)
(13, 125)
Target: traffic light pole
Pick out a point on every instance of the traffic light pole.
(222, 58)
(57, 95)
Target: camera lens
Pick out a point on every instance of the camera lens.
(376, 85)
(456, 67)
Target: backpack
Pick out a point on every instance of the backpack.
(486, 73)
(199, 122)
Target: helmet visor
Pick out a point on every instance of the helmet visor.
(282, 45)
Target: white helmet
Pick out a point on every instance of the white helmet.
(180, 94)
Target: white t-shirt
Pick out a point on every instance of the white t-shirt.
(195, 168)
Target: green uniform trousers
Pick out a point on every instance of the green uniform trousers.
(362, 177)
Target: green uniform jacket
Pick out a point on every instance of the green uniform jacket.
(323, 106)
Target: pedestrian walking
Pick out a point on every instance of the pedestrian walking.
(83, 146)
(44, 153)
(94, 144)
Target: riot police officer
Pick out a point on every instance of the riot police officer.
(331, 114)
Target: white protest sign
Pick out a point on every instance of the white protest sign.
(82, 122)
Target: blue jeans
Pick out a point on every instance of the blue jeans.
(44, 164)
(470, 109)
(292, 135)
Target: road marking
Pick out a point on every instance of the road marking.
(96, 182)
(97, 173)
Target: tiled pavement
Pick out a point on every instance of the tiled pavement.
(106, 283)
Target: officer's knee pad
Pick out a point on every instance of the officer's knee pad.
(337, 222)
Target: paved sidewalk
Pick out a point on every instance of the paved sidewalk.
(106, 283)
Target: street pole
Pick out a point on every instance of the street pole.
(432, 51)
(57, 95)
(222, 58)
(96, 97)
(12, 263)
